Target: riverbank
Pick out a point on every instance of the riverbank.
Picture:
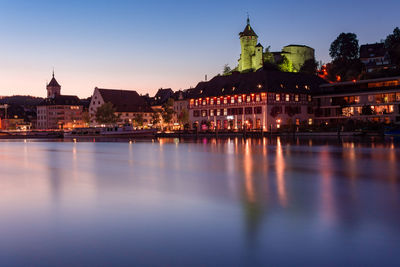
(183, 134)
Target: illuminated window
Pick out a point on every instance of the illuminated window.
(391, 108)
(309, 98)
(218, 112)
(278, 97)
(204, 113)
(196, 102)
(297, 122)
(310, 121)
(232, 100)
(370, 98)
(204, 102)
(287, 97)
(296, 98)
(258, 98)
(225, 100)
(211, 112)
(240, 99)
(218, 101)
(225, 112)
(248, 98)
(212, 101)
(357, 99)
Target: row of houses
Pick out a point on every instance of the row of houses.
(262, 100)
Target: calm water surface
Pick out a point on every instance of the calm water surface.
(208, 203)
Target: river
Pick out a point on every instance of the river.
(231, 202)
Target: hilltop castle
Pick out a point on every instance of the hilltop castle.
(252, 55)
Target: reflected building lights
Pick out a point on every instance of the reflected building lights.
(280, 174)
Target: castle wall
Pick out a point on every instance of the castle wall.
(298, 54)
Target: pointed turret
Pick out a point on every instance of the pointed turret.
(248, 31)
(53, 88)
(251, 54)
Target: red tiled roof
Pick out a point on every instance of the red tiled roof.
(124, 100)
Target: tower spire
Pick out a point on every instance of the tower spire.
(248, 19)
(53, 72)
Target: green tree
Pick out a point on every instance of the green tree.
(138, 119)
(285, 65)
(268, 56)
(227, 70)
(168, 111)
(86, 117)
(392, 43)
(309, 67)
(155, 118)
(346, 64)
(105, 114)
(183, 117)
(345, 47)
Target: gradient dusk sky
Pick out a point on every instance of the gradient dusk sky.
(145, 45)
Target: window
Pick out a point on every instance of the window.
(296, 98)
(218, 101)
(218, 112)
(257, 110)
(225, 100)
(232, 100)
(248, 111)
(204, 102)
(196, 113)
(196, 102)
(370, 98)
(204, 113)
(211, 112)
(240, 98)
(277, 97)
(239, 111)
(310, 121)
(287, 97)
(258, 98)
(212, 101)
(309, 98)
(248, 98)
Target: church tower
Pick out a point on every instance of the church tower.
(53, 88)
(251, 52)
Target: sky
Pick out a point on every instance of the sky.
(147, 45)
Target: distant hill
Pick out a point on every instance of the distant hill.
(26, 101)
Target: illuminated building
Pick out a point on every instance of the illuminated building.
(262, 100)
(375, 57)
(375, 100)
(251, 57)
(128, 105)
(59, 111)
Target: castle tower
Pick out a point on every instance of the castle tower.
(53, 88)
(251, 53)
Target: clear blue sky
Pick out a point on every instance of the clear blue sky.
(145, 45)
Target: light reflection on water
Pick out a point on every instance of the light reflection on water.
(212, 202)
